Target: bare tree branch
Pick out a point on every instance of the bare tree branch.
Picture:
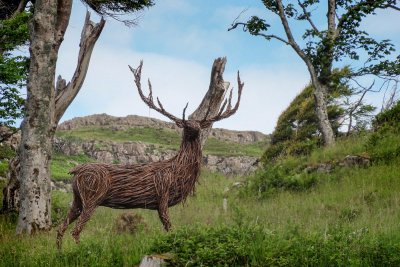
(355, 106)
(63, 14)
(65, 94)
(308, 17)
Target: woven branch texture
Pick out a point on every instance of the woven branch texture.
(156, 185)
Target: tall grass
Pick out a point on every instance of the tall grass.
(349, 217)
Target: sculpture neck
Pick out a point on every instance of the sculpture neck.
(190, 151)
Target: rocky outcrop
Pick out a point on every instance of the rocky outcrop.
(359, 161)
(130, 121)
(139, 152)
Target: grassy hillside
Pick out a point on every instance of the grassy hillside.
(348, 217)
(163, 138)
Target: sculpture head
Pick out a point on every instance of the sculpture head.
(191, 128)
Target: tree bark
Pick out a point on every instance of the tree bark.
(322, 114)
(320, 90)
(38, 125)
(214, 96)
(47, 29)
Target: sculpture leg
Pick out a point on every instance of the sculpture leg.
(163, 213)
(73, 214)
(85, 216)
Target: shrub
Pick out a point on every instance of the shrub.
(279, 177)
(384, 143)
(251, 246)
(203, 246)
(296, 132)
(389, 117)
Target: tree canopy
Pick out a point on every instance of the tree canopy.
(297, 131)
(13, 66)
(324, 48)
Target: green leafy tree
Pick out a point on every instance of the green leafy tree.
(13, 68)
(297, 131)
(342, 39)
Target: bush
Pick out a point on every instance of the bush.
(384, 143)
(197, 246)
(279, 177)
(250, 246)
(389, 118)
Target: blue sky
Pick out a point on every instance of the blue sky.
(178, 41)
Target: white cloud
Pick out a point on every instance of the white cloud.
(109, 86)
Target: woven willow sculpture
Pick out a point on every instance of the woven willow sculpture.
(156, 185)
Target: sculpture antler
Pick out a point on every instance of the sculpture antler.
(225, 111)
(149, 99)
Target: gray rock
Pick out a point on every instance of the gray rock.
(139, 152)
(131, 121)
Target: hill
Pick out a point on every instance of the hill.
(337, 206)
(135, 139)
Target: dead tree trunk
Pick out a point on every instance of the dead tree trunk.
(213, 99)
(45, 105)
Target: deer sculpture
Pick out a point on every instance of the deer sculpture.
(156, 185)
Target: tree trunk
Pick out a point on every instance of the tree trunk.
(213, 99)
(38, 126)
(45, 106)
(322, 114)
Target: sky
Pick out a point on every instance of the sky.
(178, 41)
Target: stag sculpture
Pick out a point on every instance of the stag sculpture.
(156, 185)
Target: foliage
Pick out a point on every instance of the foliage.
(384, 143)
(6, 153)
(13, 67)
(251, 246)
(347, 41)
(296, 132)
(204, 246)
(388, 118)
(115, 8)
(325, 48)
(272, 179)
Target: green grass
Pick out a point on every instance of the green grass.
(162, 138)
(165, 137)
(62, 164)
(217, 147)
(352, 215)
(352, 145)
(349, 217)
